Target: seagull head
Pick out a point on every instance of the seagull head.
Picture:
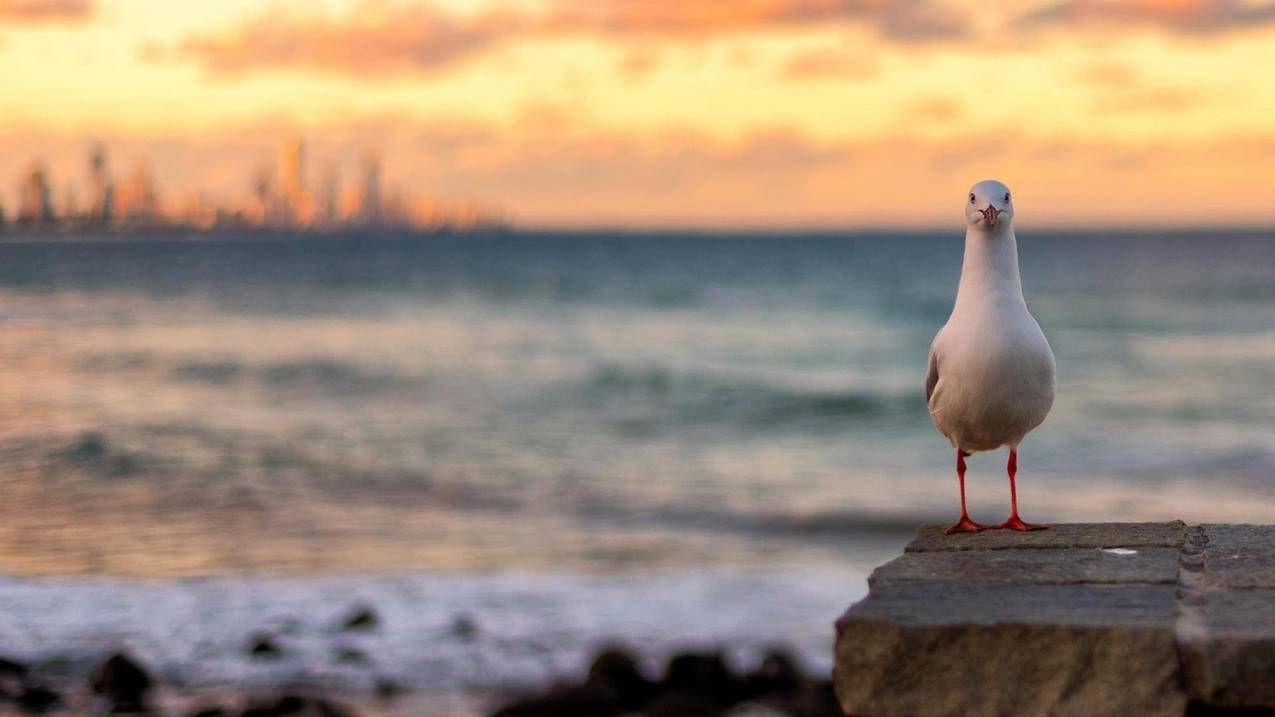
(988, 206)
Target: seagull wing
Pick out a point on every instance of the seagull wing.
(932, 369)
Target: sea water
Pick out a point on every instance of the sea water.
(519, 447)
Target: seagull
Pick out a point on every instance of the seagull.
(990, 378)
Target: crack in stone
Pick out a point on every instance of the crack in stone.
(1190, 627)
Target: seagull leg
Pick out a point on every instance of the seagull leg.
(1014, 522)
(964, 525)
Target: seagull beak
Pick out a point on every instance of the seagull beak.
(990, 213)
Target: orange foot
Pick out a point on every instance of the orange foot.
(965, 525)
(1016, 523)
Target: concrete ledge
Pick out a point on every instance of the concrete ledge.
(1081, 619)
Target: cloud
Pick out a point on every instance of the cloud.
(830, 64)
(377, 38)
(1187, 17)
(372, 41)
(46, 10)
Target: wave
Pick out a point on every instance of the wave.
(654, 396)
(318, 374)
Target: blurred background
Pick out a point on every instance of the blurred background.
(532, 326)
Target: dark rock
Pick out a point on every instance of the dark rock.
(387, 689)
(361, 618)
(464, 627)
(705, 674)
(123, 681)
(262, 646)
(1064, 535)
(13, 675)
(618, 669)
(210, 712)
(587, 700)
(37, 699)
(350, 656)
(778, 674)
(681, 704)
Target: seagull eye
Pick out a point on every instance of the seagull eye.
(1007, 196)
(972, 200)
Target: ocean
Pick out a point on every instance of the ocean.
(519, 447)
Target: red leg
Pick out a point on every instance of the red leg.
(1014, 522)
(964, 525)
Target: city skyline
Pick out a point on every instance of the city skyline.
(702, 112)
(280, 195)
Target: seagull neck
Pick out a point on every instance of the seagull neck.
(991, 266)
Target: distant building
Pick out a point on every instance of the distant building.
(101, 187)
(296, 207)
(370, 200)
(138, 197)
(328, 209)
(35, 198)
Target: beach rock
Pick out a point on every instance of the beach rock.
(37, 699)
(684, 704)
(778, 674)
(705, 674)
(122, 681)
(464, 627)
(361, 619)
(209, 712)
(262, 646)
(586, 700)
(387, 689)
(618, 669)
(350, 656)
(293, 705)
(13, 675)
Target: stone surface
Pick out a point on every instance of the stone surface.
(1240, 556)
(1057, 622)
(1064, 566)
(1064, 535)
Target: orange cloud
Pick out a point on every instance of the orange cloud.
(365, 43)
(1179, 16)
(46, 10)
(378, 39)
(830, 63)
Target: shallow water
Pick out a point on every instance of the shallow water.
(563, 411)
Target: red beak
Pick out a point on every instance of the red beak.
(990, 213)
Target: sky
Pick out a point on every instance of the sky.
(663, 113)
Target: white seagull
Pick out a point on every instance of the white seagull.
(990, 378)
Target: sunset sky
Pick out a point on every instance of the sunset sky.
(670, 113)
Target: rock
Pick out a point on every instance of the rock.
(1063, 535)
(387, 689)
(1065, 566)
(682, 704)
(13, 675)
(262, 646)
(1080, 619)
(37, 699)
(298, 705)
(705, 674)
(464, 627)
(777, 675)
(361, 618)
(618, 669)
(587, 700)
(210, 712)
(350, 656)
(123, 681)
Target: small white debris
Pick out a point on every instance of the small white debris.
(1120, 551)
